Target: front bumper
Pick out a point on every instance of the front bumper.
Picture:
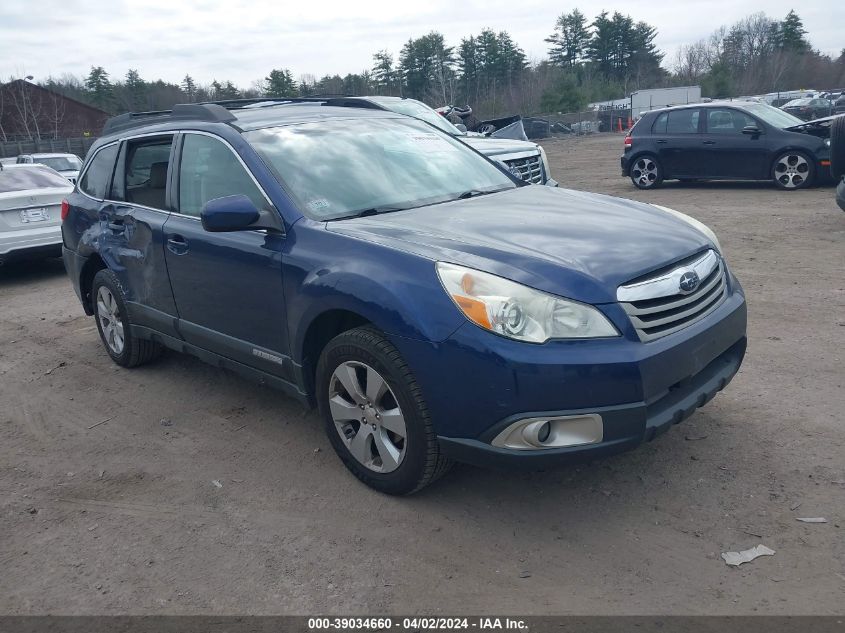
(476, 383)
(840, 194)
(624, 427)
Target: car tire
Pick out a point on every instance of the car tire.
(362, 382)
(646, 172)
(112, 317)
(793, 170)
(837, 148)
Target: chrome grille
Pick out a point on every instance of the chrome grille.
(657, 306)
(530, 169)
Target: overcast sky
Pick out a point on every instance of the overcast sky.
(243, 40)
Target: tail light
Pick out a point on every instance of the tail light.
(628, 141)
(65, 210)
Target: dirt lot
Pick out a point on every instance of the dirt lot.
(123, 516)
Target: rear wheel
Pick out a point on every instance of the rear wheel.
(375, 415)
(793, 170)
(646, 172)
(113, 323)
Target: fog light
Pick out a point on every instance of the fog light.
(543, 433)
(552, 432)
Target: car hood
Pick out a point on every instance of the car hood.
(499, 146)
(816, 127)
(574, 244)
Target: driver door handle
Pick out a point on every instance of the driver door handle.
(709, 142)
(177, 244)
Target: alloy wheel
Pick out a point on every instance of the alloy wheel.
(367, 416)
(792, 170)
(644, 171)
(111, 324)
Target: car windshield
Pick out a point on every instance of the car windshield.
(773, 116)
(796, 102)
(346, 167)
(60, 163)
(24, 178)
(418, 110)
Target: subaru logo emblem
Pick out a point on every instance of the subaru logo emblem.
(689, 282)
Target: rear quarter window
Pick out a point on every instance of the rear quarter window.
(95, 181)
(659, 126)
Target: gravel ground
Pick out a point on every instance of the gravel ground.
(108, 500)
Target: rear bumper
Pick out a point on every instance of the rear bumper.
(626, 167)
(73, 265)
(29, 242)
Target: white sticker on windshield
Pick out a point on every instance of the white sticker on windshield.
(320, 204)
(431, 142)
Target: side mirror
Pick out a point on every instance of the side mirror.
(751, 130)
(229, 213)
(461, 127)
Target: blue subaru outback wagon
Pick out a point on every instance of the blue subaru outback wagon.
(434, 307)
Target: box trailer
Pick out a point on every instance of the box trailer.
(645, 100)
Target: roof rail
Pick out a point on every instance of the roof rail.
(210, 112)
(237, 104)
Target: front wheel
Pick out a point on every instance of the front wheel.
(646, 172)
(793, 170)
(375, 415)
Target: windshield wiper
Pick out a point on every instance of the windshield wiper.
(472, 193)
(368, 212)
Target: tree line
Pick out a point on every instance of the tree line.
(588, 60)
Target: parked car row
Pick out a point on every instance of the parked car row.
(809, 109)
(67, 165)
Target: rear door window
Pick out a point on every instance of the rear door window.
(145, 172)
(659, 126)
(683, 122)
(95, 181)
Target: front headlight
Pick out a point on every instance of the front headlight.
(545, 160)
(519, 312)
(701, 226)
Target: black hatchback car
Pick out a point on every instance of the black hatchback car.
(725, 141)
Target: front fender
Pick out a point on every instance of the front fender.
(398, 292)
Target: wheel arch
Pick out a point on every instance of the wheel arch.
(89, 270)
(322, 329)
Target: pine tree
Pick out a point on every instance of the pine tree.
(383, 74)
(280, 83)
(570, 39)
(136, 90)
(99, 88)
(189, 88)
(791, 32)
